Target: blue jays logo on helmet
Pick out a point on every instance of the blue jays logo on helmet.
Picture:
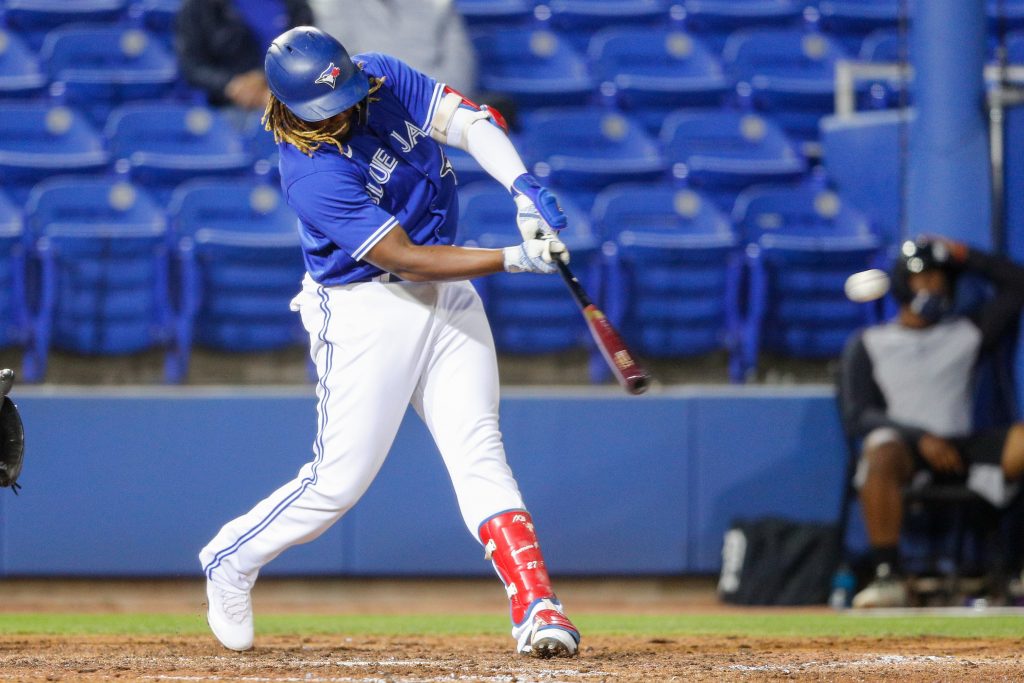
(329, 76)
(295, 72)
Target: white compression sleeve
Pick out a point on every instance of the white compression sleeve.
(488, 144)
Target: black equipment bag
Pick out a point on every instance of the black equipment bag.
(774, 561)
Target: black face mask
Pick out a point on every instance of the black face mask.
(930, 306)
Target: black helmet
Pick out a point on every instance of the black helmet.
(918, 256)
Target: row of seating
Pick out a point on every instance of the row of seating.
(96, 266)
(158, 144)
(581, 150)
(33, 19)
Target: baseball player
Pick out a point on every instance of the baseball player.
(391, 317)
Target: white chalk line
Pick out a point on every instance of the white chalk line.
(877, 660)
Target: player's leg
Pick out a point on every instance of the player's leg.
(884, 470)
(458, 400)
(367, 342)
(1012, 459)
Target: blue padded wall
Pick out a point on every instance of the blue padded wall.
(134, 483)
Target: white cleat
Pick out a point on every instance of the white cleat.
(230, 617)
(547, 632)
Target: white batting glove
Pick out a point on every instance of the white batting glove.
(538, 214)
(535, 256)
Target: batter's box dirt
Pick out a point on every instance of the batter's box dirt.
(489, 659)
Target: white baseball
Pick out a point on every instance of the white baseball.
(867, 285)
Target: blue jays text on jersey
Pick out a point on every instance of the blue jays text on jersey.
(390, 172)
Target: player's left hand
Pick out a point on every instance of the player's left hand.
(537, 211)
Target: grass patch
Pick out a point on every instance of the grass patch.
(750, 626)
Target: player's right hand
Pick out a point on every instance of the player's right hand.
(940, 454)
(536, 256)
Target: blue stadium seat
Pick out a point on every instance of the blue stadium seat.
(714, 20)
(14, 318)
(528, 313)
(102, 246)
(803, 242)
(503, 13)
(158, 16)
(241, 264)
(791, 74)
(99, 67)
(164, 145)
(33, 18)
(38, 141)
(1015, 48)
(858, 16)
(654, 71)
(534, 66)
(20, 73)
(578, 19)
(883, 46)
(1008, 13)
(721, 152)
(589, 148)
(259, 144)
(673, 279)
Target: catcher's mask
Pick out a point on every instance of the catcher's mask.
(920, 256)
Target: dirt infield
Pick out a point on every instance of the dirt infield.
(421, 659)
(417, 659)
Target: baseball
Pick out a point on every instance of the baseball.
(867, 285)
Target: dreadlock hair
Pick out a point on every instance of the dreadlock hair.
(307, 136)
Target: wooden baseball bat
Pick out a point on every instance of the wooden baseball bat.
(620, 359)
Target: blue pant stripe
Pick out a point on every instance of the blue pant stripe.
(318, 455)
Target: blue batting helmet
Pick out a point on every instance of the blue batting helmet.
(312, 74)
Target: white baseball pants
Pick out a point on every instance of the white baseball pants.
(377, 347)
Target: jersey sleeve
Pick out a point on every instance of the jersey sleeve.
(337, 205)
(419, 94)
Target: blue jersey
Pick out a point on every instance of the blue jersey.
(391, 173)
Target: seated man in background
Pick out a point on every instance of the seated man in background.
(221, 44)
(908, 391)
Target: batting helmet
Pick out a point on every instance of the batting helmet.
(310, 72)
(917, 257)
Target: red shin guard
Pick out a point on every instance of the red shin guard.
(511, 544)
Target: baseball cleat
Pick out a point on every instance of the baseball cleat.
(548, 632)
(230, 617)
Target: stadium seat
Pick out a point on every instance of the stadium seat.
(14, 328)
(884, 46)
(714, 20)
(504, 13)
(578, 19)
(528, 314)
(158, 16)
(804, 242)
(1005, 13)
(721, 152)
(858, 16)
(20, 73)
(163, 145)
(33, 18)
(791, 74)
(98, 68)
(1015, 48)
(38, 141)
(589, 148)
(653, 71)
(673, 278)
(535, 67)
(103, 253)
(241, 264)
